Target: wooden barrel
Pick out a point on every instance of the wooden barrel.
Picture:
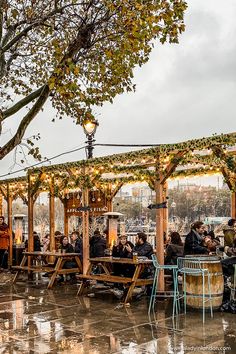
(194, 287)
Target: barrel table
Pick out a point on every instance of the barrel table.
(194, 282)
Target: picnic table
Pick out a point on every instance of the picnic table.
(106, 264)
(37, 264)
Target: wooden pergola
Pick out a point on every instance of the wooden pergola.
(211, 155)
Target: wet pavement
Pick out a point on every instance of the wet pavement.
(36, 320)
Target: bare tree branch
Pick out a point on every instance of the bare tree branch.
(37, 23)
(16, 139)
(10, 111)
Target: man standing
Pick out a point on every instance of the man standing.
(194, 240)
(4, 243)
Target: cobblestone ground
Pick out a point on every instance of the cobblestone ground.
(36, 320)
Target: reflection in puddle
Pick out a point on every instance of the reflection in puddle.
(45, 321)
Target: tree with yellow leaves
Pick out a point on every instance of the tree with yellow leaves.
(76, 53)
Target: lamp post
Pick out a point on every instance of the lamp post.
(173, 206)
(90, 127)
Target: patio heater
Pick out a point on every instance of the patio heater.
(18, 221)
(113, 218)
(90, 127)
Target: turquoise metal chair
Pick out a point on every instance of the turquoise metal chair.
(154, 292)
(193, 266)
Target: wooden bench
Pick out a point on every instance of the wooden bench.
(106, 278)
(109, 277)
(52, 269)
(34, 268)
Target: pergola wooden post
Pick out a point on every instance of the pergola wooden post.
(159, 232)
(1, 206)
(233, 205)
(66, 221)
(30, 216)
(9, 215)
(52, 215)
(85, 196)
(165, 210)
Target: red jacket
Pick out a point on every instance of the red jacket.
(4, 236)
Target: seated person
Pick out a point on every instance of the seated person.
(213, 237)
(213, 245)
(194, 240)
(65, 246)
(37, 244)
(231, 251)
(174, 249)
(121, 251)
(228, 263)
(142, 247)
(229, 232)
(46, 242)
(69, 248)
(77, 243)
(97, 245)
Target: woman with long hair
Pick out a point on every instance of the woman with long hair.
(174, 249)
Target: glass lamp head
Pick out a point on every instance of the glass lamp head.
(90, 127)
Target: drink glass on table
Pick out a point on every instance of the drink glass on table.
(135, 256)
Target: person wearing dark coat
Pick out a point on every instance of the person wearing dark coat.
(174, 249)
(228, 263)
(77, 247)
(37, 244)
(142, 247)
(121, 251)
(97, 245)
(66, 247)
(194, 240)
(77, 244)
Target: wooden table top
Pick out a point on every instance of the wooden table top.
(120, 260)
(57, 254)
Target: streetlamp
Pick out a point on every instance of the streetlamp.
(173, 206)
(90, 127)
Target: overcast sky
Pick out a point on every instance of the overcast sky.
(185, 91)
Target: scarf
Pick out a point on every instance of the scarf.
(199, 237)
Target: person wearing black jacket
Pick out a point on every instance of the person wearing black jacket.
(142, 247)
(65, 247)
(194, 240)
(77, 244)
(77, 247)
(174, 249)
(121, 251)
(37, 244)
(97, 245)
